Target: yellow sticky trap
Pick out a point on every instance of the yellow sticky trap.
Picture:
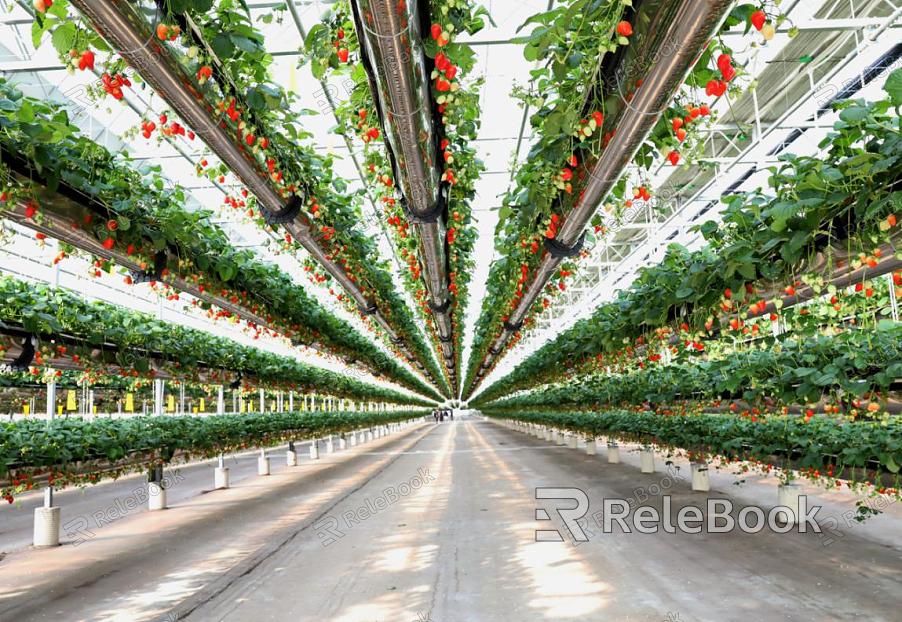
(26, 409)
(70, 400)
(170, 403)
(129, 402)
(203, 406)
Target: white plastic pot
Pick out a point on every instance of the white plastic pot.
(572, 441)
(314, 451)
(700, 480)
(156, 496)
(330, 446)
(221, 477)
(647, 461)
(548, 434)
(590, 446)
(613, 453)
(291, 458)
(46, 527)
(560, 438)
(263, 465)
(342, 444)
(788, 496)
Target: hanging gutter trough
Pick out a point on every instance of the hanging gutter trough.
(124, 27)
(669, 37)
(390, 33)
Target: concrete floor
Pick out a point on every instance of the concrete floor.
(438, 523)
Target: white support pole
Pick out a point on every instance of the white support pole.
(182, 398)
(893, 302)
(47, 518)
(221, 474)
(262, 403)
(263, 463)
(220, 400)
(291, 401)
(159, 390)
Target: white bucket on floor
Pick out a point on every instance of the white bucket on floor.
(221, 477)
(291, 458)
(788, 496)
(46, 527)
(314, 451)
(590, 446)
(613, 453)
(647, 461)
(263, 465)
(156, 496)
(700, 480)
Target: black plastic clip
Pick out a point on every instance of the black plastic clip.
(558, 250)
(286, 214)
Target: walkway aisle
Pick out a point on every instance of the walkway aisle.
(438, 523)
(461, 548)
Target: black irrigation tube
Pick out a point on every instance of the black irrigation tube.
(129, 33)
(669, 36)
(392, 53)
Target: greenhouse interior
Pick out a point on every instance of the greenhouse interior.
(486, 310)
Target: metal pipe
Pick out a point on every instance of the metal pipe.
(391, 39)
(669, 36)
(124, 27)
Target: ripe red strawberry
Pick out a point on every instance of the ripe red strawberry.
(624, 29)
(163, 32)
(41, 6)
(250, 139)
(112, 225)
(677, 124)
(891, 220)
(40, 236)
(572, 161)
(758, 19)
(599, 118)
(681, 134)
(674, 157)
(343, 55)
(723, 61)
(86, 61)
(451, 72)
(30, 210)
(437, 31)
(109, 243)
(442, 85)
(790, 290)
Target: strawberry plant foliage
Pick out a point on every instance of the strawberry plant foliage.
(859, 451)
(78, 451)
(149, 217)
(842, 199)
(137, 337)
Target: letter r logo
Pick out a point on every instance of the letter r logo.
(570, 516)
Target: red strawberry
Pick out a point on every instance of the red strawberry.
(343, 55)
(674, 157)
(86, 61)
(31, 210)
(624, 29)
(681, 134)
(724, 61)
(758, 19)
(599, 118)
(109, 243)
(437, 31)
(677, 124)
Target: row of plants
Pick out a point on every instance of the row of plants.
(840, 206)
(223, 52)
(139, 340)
(850, 372)
(333, 50)
(139, 214)
(863, 308)
(860, 452)
(575, 94)
(65, 452)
